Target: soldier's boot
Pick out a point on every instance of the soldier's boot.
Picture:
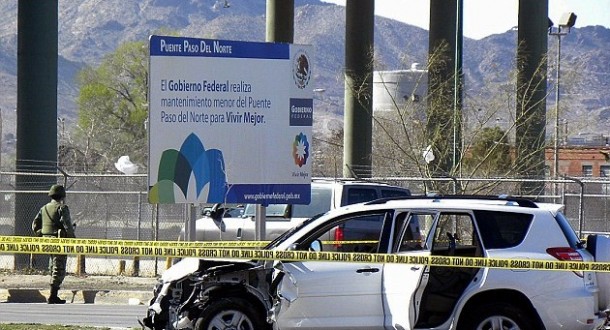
(54, 299)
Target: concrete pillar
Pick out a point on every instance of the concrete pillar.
(444, 86)
(37, 36)
(358, 114)
(280, 21)
(531, 92)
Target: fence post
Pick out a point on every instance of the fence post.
(135, 271)
(121, 267)
(156, 233)
(139, 217)
(580, 203)
(136, 260)
(80, 265)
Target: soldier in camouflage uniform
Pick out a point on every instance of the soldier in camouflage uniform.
(53, 220)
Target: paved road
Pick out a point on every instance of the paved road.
(112, 316)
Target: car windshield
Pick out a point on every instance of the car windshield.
(278, 240)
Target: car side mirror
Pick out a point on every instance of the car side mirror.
(315, 246)
(216, 212)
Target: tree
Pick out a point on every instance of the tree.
(487, 143)
(112, 110)
(490, 155)
(404, 131)
(328, 158)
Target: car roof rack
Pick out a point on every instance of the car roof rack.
(520, 201)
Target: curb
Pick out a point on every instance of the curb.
(108, 297)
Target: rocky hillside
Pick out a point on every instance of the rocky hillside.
(89, 29)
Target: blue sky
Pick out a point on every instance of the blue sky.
(485, 17)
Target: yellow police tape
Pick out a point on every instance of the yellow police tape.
(227, 250)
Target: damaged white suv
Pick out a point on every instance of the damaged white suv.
(253, 295)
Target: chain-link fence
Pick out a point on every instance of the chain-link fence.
(116, 207)
(101, 206)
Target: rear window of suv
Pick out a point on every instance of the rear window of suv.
(386, 193)
(320, 203)
(501, 230)
(359, 195)
(567, 230)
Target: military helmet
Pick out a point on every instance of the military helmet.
(57, 190)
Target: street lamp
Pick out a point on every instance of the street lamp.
(566, 22)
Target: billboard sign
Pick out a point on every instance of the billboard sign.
(229, 121)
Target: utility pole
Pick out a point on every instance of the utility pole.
(565, 25)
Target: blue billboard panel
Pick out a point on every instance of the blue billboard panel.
(229, 121)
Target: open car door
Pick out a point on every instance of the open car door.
(419, 296)
(402, 281)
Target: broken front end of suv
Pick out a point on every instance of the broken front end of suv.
(208, 294)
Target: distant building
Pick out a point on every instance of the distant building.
(581, 161)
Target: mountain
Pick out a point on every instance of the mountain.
(89, 29)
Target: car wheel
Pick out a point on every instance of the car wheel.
(497, 316)
(230, 314)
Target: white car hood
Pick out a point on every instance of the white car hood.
(181, 269)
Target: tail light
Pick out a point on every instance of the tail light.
(566, 254)
(339, 237)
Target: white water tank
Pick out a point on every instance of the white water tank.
(392, 89)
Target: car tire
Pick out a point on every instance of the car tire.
(498, 315)
(230, 313)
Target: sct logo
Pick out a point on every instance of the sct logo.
(300, 150)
